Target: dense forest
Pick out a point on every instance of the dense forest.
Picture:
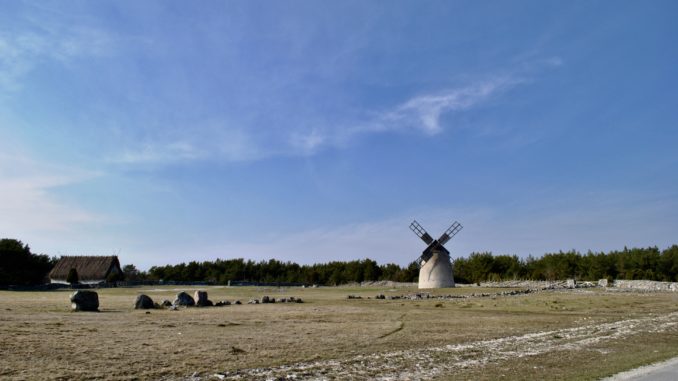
(19, 266)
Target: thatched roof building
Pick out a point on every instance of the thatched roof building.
(91, 269)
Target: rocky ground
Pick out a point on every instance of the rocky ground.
(427, 363)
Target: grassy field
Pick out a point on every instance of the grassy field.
(577, 334)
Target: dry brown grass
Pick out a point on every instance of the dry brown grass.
(41, 339)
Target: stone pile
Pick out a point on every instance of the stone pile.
(84, 300)
(268, 300)
(425, 296)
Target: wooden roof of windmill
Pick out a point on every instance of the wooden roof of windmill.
(88, 267)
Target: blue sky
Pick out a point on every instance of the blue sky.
(314, 131)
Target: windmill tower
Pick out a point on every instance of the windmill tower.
(435, 268)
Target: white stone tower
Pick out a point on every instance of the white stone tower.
(436, 272)
(435, 267)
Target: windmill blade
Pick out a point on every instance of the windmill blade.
(450, 232)
(420, 232)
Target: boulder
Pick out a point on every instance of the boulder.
(166, 303)
(83, 300)
(143, 302)
(201, 299)
(237, 302)
(265, 299)
(183, 299)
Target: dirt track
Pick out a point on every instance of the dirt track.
(427, 363)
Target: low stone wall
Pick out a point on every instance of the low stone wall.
(530, 284)
(646, 285)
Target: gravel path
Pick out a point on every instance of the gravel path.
(425, 363)
(663, 371)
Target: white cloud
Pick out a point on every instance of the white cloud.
(21, 51)
(309, 142)
(219, 140)
(160, 153)
(423, 112)
(28, 204)
(202, 142)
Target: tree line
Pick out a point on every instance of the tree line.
(638, 263)
(18, 266)
(273, 271)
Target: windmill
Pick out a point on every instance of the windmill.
(435, 268)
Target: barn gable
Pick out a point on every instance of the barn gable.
(91, 269)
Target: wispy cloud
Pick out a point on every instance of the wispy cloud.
(31, 42)
(159, 153)
(204, 141)
(423, 112)
(29, 206)
(216, 140)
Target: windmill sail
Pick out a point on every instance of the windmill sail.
(450, 232)
(420, 232)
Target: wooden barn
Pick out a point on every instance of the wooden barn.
(91, 269)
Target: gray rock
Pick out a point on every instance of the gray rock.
(183, 299)
(201, 299)
(143, 302)
(253, 301)
(83, 300)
